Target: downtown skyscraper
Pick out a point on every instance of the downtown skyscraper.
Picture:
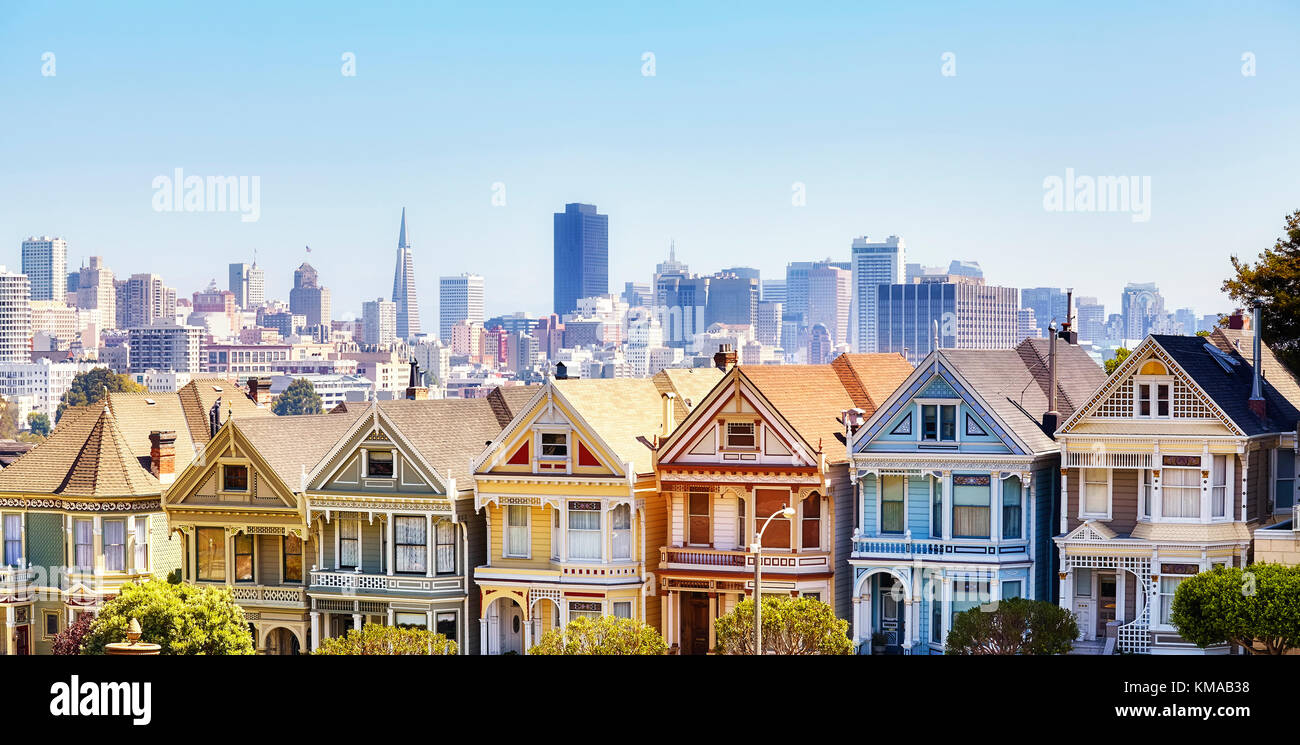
(581, 255)
(460, 298)
(249, 285)
(874, 264)
(404, 297)
(45, 262)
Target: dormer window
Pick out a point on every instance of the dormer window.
(234, 478)
(740, 436)
(555, 445)
(938, 423)
(1151, 391)
(379, 464)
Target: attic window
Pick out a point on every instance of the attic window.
(740, 436)
(555, 445)
(234, 478)
(379, 464)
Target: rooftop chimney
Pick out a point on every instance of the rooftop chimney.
(414, 390)
(1237, 320)
(1257, 406)
(1051, 417)
(667, 423)
(162, 455)
(561, 371)
(259, 391)
(725, 357)
(1068, 334)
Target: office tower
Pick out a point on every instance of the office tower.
(15, 317)
(581, 255)
(145, 300)
(965, 313)
(97, 293)
(830, 298)
(747, 272)
(732, 299)
(308, 298)
(874, 263)
(774, 290)
(165, 346)
(1048, 304)
(73, 283)
(404, 296)
(1185, 319)
(248, 283)
(238, 283)
(45, 262)
(638, 294)
(1090, 319)
(913, 273)
(460, 298)
(667, 273)
(819, 344)
(767, 327)
(1141, 305)
(683, 301)
(1028, 325)
(1208, 322)
(379, 321)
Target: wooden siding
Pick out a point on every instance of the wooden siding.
(656, 535)
(475, 526)
(841, 531)
(268, 559)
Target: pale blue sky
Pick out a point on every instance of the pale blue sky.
(747, 99)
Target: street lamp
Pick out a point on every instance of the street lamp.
(757, 547)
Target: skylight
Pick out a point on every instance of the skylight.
(1225, 360)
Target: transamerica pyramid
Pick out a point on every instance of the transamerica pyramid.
(408, 306)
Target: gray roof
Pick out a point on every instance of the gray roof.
(1230, 389)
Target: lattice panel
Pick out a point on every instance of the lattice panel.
(1120, 403)
(1187, 405)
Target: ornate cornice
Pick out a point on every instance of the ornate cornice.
(53, 503)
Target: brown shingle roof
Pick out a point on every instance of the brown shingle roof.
(871, 378)
(450, 433)
(85, 456)
(294, 444)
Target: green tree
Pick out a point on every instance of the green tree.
(604, 635)
(388, 640)
(1257, 608)
(1013, 626)
(1121, 354)
(299, 398)
(790, 626)
(1274, 282)
(90, 386)
(39, 423)
(8, 420)
(182, 619)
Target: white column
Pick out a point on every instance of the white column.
(428, 551)
(356, 621)
(230, 557)
(855, 623)
(906, 641)
(1245, 469)
(1119, 594)
(97, 542)
(1065, 500)
(1207, 473)
(428, 619)
(390, 553)
(390, 615)
(947, 611)
(315, 631)
(128, 562)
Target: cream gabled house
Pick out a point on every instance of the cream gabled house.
(1166, 470)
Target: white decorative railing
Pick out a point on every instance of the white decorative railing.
(905, 546)
(14, 580)
(269, 595)
(902, 546)
(1106, 459)
(349, 582)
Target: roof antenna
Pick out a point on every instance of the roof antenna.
(934, 344)
(1051, 417)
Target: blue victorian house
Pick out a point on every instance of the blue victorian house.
(957, 487)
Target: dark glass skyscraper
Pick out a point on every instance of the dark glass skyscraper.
(581, 255)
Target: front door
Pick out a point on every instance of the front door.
(695, 623)
(1084, 604)
(512, 628)
(20, 640)
(1105, 602)
(891, 621)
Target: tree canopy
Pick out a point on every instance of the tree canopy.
(90, 386)
(800, 625)
(387, 640)
(1121, 354)
(1274, 282)
(299, 398)
(69, 640)
(39, 423)
(182, 619)
(1257, 608)
(1013, 626)
(604, 635)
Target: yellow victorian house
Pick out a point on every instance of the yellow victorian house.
(568, 491)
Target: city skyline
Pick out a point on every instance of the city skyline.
(953, 162)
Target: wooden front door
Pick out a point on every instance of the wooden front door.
(1105, 602)
(695, 623)
(20, 640)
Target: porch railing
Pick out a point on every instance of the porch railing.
(703, 557)
(262, 595)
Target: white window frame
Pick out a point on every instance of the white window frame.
(1153, 382)
(938, 403)
(103, 543)
(613, 609)
(568, 538)
(631, 518)
(726, 435)
(1272, 479)
(4, 519)
(247, 491)
(686, 527)
(1083, 494)
(338, 543)
(880, 502)
(568, 445)
(1024, 509)
(506, 548)
(1229, 471)
(1203, 507)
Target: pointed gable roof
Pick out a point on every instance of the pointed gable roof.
(85, 456)
(1230, 389)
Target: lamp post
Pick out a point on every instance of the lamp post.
(787, 512)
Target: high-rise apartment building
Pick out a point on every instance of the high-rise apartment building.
(874, 263)
(146, 300)
(1141, 305)
(1048, 304)
(308, 298)
(404, 295)
(767, 328)
(460, 298)
(965, 314)
(45, 262)
(379, 321)
(1090, 319)
(830, 299)
(581, 255)
(97, 294)
(165, 346)
(248, 283)
(15, 317)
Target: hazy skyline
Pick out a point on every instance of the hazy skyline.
(852, 103)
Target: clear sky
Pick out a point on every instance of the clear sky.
(747, 98)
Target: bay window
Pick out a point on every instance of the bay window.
(1011, 589)
(769, 502)
(1284, 482)
(1012, 508)
(83, 544)
(13, 540)
(812, 522)
(969, 593)
(444, 532)
(292, 558)
(1144, 496)
(115, 545)
(1096, 492)
(349, 544)
(142, 543)
(243, 558)
(970, 506)
(622, 609)
(584, 531)
(555, 534)
(210, 554)
(891, 503)
(936, 507)
(620, 523)
(410, 541)
(697, 516)
(516, 531)
(741, 533)
(1168, 586)
(445, 624)
(1219, 486)
(1180, 492)
(584, 609)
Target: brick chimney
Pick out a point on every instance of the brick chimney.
(1237, 321)
(667, 423)
(162, 455)
(1256, 403)
(725, 358)
(415, 391)
(259, 391)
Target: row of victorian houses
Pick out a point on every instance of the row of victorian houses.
(916, 493)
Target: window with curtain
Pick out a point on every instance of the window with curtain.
(1284, 490)
(555, 445)
(584, 531)
(115, 545)
(243, 558)
(741, 533)
(13, 540)
(623, 609)
(1144, 495)
(292, 558)
(445, 624)
(444, 533)
(936, 507)
(410, 542)
(516, 530)
(1219, 486)
(891, 504)
(620, 522)
(1096, 491)
(83, 544)
(1168, 585)
(970, 506)
(697, 515)
(142, 542)
(1180, 492)
(812, 522)
(349, 544)
(210, 545)
(768, 502)
(1012, 508)
(969, 593)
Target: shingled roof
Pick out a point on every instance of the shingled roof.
(86, 456)
(292, 445)
(1230, 389)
